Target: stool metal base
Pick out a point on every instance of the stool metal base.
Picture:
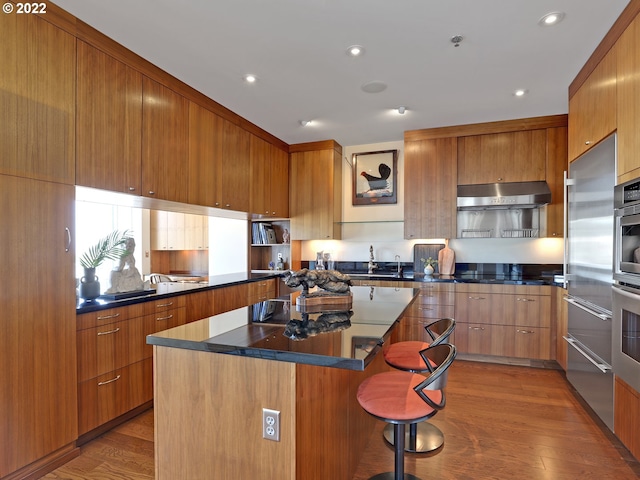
(392, 476)
(427, 437)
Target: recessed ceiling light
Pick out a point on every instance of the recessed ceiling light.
(374, 87)
(521, 92)
(250, 78)
(551, 18)
(305, 123)
(401, 110)
(355, 51)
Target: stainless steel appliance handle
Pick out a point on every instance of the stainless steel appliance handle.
(631, 294)
(601, 316)
(565, 213)
(603, 367)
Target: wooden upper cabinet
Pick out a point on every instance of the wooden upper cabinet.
(557, 164)
(592, 109)
(165, 143)
(279, 182)
(236, 165)
(269, 179)
(219, 164)
(206, 131)
(430, 188)
(316, 190)
(260, 188)
(37, 99)
(109, 116)
(627, 51)
(502, 157)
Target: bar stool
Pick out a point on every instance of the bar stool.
(420, 437)
(400, 398)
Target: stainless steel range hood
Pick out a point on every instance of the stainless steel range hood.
(503, 195)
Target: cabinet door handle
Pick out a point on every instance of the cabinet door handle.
(68, 247)
(115, 330)
(105, 317)
(477, 298)
(588, 142)
(476, 328)
(525, 332)
(151, 192)
(163, 318)
(109, 381)
(160, 305)
(425, 308)
(525, 300)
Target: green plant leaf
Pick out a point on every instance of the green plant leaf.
(110, 247)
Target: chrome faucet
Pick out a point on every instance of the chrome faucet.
(371, 264)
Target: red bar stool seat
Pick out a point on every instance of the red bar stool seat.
(400, 398)
(420, 437)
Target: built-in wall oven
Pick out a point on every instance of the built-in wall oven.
(625, 343)
(626, 334)
(626, 267)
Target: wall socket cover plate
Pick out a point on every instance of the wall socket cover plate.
(271, 424)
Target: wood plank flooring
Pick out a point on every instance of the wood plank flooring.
(500, 422)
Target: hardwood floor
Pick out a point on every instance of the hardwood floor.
(500, 422)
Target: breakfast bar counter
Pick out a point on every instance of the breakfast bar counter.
(214, 377)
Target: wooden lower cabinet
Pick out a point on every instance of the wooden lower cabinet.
(435, 301)
(261, 291)
(108, 396)
(505, 320)
(627, 415)
(115, 373)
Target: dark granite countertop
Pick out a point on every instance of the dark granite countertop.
(172, 289)
(277, 330)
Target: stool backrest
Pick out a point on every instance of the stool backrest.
(440, 330)
(438, 359)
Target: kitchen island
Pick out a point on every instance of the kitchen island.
(213, 377)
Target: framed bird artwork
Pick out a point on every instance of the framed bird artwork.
(375, 177)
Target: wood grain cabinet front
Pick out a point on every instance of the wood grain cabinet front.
(109, 116)
(114, 360)
(261, 291)
(502, 157)
(504, 320)
(435, 301)
(592, 109)
(316, 191)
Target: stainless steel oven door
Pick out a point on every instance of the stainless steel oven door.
(626, 335)
(627, 245)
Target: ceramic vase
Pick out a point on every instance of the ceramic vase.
(428, 270)
(89, 285)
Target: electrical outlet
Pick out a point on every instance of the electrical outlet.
(271, 424)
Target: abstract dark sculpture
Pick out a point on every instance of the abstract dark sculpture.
(329, 280)
(325, 323)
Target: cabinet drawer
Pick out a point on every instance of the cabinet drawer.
(164, 304)
(110, 315)
(110, 395)
(412, 327)
(260, 291)
(436, 297)
(503, 340)
(108, 347)
(430, 311)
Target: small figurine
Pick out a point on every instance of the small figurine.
(329, 280)
(285, 236)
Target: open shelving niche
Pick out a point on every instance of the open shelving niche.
(263, 253)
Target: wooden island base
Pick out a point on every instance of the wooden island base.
(208, 417)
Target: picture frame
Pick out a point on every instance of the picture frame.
(375, 177)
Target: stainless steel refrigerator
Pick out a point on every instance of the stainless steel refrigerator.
(589, 275)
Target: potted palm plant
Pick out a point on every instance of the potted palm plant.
(111, 247)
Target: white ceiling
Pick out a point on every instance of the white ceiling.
(297, 49)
